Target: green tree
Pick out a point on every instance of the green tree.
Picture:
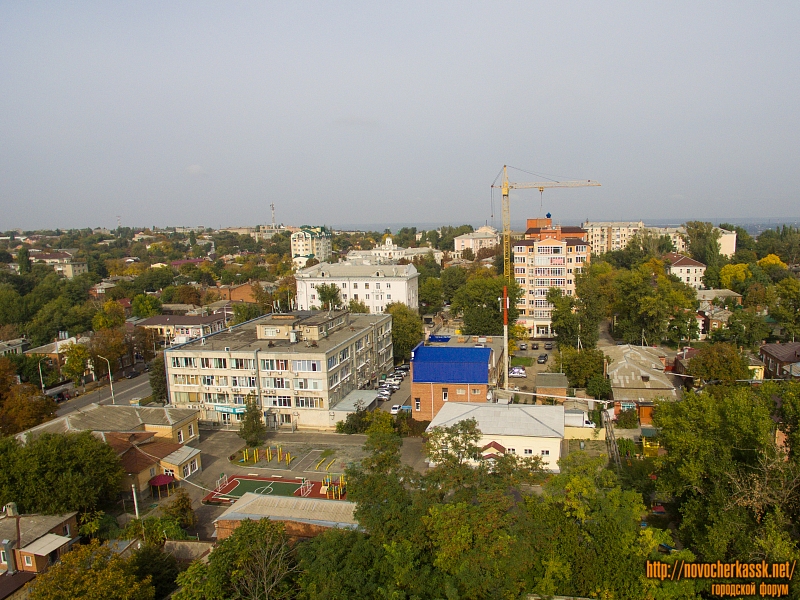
(145, 305)
(23, 261)
(599, 387)
(702, 242)
(110, 317)
(244, 311)
(467, 254)
(628, 419)
(478, 302)
(76, 362)
(454, 445)
(431, 295)
(59, 473)
(252, 430)
(578, 365)
(162, 569)
(784, 306)
(356, 306)
(722, 363)
(452, 279)
(329, 296)
(158, 378)
(180, 509)
(407, 330)
(255, 561)
(93, 572)
(24, 407)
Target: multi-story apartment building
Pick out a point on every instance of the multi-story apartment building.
(550, 257)
(483, 237)
(676, 234)
(608, 236)
(310, 242)
(297, 366)
(374, 285)
(688, 270)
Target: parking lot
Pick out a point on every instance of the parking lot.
(401, 396)
(528, 382)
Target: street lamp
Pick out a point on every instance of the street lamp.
(110, 377)
(41, 379)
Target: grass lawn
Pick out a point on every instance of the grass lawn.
(521, 361)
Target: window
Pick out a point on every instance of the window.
(191, 430)
(279, 383)
(344, 285)
(181, 379)
(180, 436)
(28, 561)
(444, 394)
(243, 381)
(285, 419)
(366, 297)
(152, 472)
(308, 384)
(243, 363)
(215, 398)
(461, 392)
(333, 380)
(355, 296)
(183, 362)
(299, 366)
(186, 472)
(416, 404)
(305, 402)
(475, 391)
(511, 450)
(388, 286)
(285, 401)
(193, 465)
(366, 286)
(527, 452)
(274, 364)
(332, 361)
(271, 332)
(388, 296)
(545, 452)
(213, 363)
(355, 287)
(3, 558)
(239, 399)
(344, 354)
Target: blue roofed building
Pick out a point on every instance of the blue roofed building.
(453, 369)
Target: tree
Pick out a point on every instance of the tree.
(59, 473)
(243, 311)
(255, 561)
(252, 430)
(702, 242)
(329, 296)
(158, 378)
(180, 509)
(731, 275)
(579, 365)
(455, 445)
(23, 261)
(93, 572)
(467, 254)
(24, 407)
(452, 279)
(431, 295)
(110, 344)
(76, 362)
(478, 302)
(784, 306)
(719, 363)
(599, 387)
(145, 305)
(745, 327)
(628, 419)
(111, 316)
(407, 330)
(356, 306)
(162, 569)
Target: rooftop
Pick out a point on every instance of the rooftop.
(504, 419)
(638, 367)
(788, 352)
(181, 320)
(331, 513)
(679, 260)
(31, 527)
(46, 544)
(350, 269)
(551, 380)
(451, 364)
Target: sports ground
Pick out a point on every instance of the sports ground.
(231, 489)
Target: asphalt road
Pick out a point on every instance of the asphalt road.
(125, 390)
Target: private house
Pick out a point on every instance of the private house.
(688, 270)
(707, 297)
(177, 425)
(17, 346)
(243, 292)
(454, 369)
(511, 429)
(781, 361)
(302, 518)
(554, 384)
(39, 541)
(638, 377)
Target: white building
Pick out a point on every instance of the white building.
(389, 252)
(310, 242)
(374, 285)
(608, 236)
(518, 429)
(686, 269)
(727, 242)
(303, 368)
(484, 237)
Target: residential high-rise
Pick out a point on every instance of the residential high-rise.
(310, 242)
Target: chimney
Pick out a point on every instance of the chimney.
(11, 563)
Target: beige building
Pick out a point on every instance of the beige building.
(688, 270)
(483, 237)
(301, 367)
(608, 236)
(310, 242)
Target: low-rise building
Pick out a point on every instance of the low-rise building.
(374, 285)
(707, 297)
(178, 329)
(688, 270)
(637, 375)
(454, 369)
(389, 253)
(779, 359)
(17, 346)
(518, 429)
(299, 367)
(31, 543)
(483, 237)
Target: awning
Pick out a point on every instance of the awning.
(163, 479)
(46, 544)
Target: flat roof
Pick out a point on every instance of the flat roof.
(504, 419)
(331, 513)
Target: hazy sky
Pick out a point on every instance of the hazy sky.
(188, 113)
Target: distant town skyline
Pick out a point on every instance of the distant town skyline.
(369, 113)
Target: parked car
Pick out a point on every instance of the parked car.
(520, 374)
(132, 374)
(403, 368)
(395, 409)
(542, 359)
(523, 346)
(535, 346)
(548, 345)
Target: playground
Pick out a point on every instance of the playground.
(289, 458)
(230, 489)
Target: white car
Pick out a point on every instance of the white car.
(395, 409)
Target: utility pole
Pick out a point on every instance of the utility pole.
(110, 377)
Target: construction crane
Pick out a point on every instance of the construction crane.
(539, 185)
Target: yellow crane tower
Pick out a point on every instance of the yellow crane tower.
(540, 185)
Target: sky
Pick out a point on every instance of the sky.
(205, 113)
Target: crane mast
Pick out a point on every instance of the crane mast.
(539, 185)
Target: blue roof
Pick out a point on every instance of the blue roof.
(437, 364)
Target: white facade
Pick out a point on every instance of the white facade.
(608, 236)
(484, 237)
(688, 270)
(374, 285)
(389, 252)
(539, 266)
(297, 366)
(727, 242)
(310, 242)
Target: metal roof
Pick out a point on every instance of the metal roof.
(504, 419)
(447, 364)
(332, 513)
(46, 544)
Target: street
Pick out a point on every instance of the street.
(125, 390)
